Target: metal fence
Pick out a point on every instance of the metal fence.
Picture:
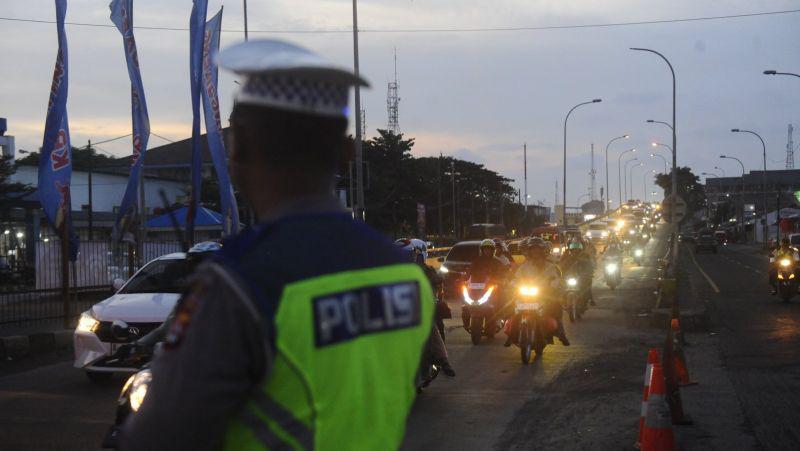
(34, 293)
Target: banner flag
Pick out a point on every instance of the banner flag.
(216, 142)
(197, 25)
(122, 16)
(55, 162)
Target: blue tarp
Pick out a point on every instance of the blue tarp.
(204, 218)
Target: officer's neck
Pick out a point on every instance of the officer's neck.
(278, 195)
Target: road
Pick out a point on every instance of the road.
(585, 396)
(758, 340)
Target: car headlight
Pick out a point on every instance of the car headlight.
(527, 290)
(87, 322)
(644, 235)
(556, 250)
(572, 282)
(443, 269)
(785, 262)
(638, 252)
(138, 388)
(611, 268)
(588, 234)
(631, 232)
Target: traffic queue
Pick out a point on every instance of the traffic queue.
(522, 294)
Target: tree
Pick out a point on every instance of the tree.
(689, 188)
(10, 190)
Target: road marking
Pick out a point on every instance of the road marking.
(708, 279)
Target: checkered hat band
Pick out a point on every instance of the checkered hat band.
(299, 94)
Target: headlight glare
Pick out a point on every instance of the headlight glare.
(443, 269)
(527, 290)
(87, 322)
(572, 282)
(138, 388)
(611, 268)
(785, 262)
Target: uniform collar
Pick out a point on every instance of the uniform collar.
(308, 205)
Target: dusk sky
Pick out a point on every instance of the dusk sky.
(475, 95)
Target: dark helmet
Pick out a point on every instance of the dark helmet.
(537, 246)
(785, 240)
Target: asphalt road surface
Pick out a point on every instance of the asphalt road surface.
(585, 396)
(759, 342)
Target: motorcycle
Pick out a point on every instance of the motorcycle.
(132, 394)
(612, 270)
(535, 328)
(478, 311)
(638, 255)
(787, 282)
(575, 299)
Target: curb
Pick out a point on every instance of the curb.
(18, 346)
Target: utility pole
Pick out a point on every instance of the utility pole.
(790, 150)
(439, 191)
(525, 175)
(89, 148)
(453, 173)
(245, 20)
(359, 210)
(592, 173)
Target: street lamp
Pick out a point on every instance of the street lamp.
(674, 140)
(625, 174)
(644, 182)
(608, 201)
(741, 197)
(619, 174)
(651, 121)
(631, 175)
(564, 180)
(662, 159)
(721, 170)
(763, 179)
(773, 72)
(657, 144)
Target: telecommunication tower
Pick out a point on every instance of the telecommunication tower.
(392, 101)
(790, 150)
(592, 174)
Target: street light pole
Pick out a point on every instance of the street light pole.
(608, 189)
(721, 170)
(359, 156)
(763, 180)
(773, 72)
(674, 141)
(619, 174)
(631, 175)
(741, 197)
(564, 179)
(662, 159)
(644, 182)
(625, 174)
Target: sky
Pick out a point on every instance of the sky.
(474, 95)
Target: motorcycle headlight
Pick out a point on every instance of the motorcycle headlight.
(138, 388)
(631, 232)
(644, 235)
(527, 290)
(486, 296)
(465, 293)
(87, 322)
(611, 268)
(638, 252)
(443, 269)
(791, 276)
(780, 276)
(556, 250)
(572, 282)
(785, 262)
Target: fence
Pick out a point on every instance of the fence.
(34, 294)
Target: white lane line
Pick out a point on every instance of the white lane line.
(708, 279)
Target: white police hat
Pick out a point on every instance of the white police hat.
(283, 75)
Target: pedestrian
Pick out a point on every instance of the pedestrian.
(305, 332)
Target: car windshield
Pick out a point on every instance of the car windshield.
(597, 226)
(161, 276)
(463, 253)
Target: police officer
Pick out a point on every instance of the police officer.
(306, 332)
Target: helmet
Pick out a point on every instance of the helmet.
(537, 246)
(407, 247)
(420, 246)
(785, 240)
(500, 245)
(486, 245)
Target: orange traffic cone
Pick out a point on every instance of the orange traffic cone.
(681, 370)
(652, 358)
(657, 434)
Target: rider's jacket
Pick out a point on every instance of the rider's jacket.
(545, 273)
(792, 253)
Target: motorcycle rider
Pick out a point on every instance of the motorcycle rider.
(577, 258)
(489, 266)
(538, 267)
(784, 251)
(435, 346)
(502, 253)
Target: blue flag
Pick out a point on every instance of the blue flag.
(197, 25)
(122, 16)
(55, 162)
(216, 143)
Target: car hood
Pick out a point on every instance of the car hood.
(136, 307)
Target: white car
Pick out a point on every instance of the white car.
(140, 305)
(597, 231)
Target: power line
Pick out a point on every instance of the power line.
(159, 136)
(436, 30)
